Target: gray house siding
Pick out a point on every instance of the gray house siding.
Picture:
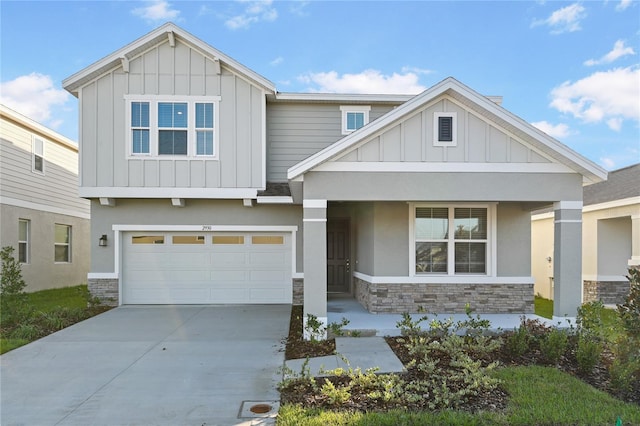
(297, 130)
(196, 212)
(180, 71)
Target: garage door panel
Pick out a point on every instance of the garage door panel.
(224, 268)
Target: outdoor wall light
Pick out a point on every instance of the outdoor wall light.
(102, 242)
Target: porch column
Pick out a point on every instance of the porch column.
(635, 241)
(315, 263)
(567, 264)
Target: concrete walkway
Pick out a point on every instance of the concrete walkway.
(154, 365)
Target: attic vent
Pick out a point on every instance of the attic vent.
(444, 131)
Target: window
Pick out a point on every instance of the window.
(451, 240)
(37, 151)
(23, 240)
(140, 127)
(354, 117)
(147, 239)
(267, 239)
(444, 129)
(227, 239)
(188, 239)
(62, 244)
(172, 126)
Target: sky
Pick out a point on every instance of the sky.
(572, 69)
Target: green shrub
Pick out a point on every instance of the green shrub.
(588, 352)
(629, 311)
(13, 299)
(518, 343)
(553, 346)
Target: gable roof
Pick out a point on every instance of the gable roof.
(591, 172)
(622, 183)
(168, 31)
(35, 127)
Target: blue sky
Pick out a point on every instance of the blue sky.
(570, 68)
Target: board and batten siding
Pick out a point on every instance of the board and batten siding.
(296, 131)
(179, 71)
(411, 140)
(57, 188)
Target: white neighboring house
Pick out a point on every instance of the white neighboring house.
(610, 239)
(41, 214)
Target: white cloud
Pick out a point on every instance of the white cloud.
(619, 50)
(565, 20)
(254, 12)
(369, 81)
(416, 70)
(34, 96)
(623, 5)
(610, 96)
(558, 131)
(608, 163)
(157, 10)
(277, 61)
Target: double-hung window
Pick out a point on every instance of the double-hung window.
(23, 240)
(451, 240)
(37, 155)
(172, 126)
(62, 245)
(354, 117)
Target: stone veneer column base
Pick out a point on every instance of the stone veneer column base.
(104, 289)
(445, 298)
(298, 292)
(608, 292)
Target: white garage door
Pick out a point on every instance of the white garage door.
(206, 267)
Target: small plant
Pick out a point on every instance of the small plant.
(517, 344)
(553, 346)
(588, 353)
(410, 327)
(589, 319)
(336, 328)
(314, 329)
(629, 311)
(335, 395)
(13, 299)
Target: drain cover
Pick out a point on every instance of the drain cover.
(259, 409)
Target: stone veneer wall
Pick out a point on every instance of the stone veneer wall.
(298, 291)
(609, 292)
(445, 298)
(105, 289)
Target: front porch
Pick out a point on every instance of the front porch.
(341, 306)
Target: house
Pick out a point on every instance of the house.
(210, 186)
(610, 239)
(41, 214)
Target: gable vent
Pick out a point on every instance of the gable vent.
(445, 129)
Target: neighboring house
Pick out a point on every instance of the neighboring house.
(211, 186)
(41, 214)
(610, 239)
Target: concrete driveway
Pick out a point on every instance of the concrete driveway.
(149, 365)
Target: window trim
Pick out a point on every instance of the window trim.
(436, 129)
(34, 139)
(491, 241)
(26, 242)
(345, 109)
(56, 244)
(191, 102)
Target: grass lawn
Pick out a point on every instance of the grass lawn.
(539, 396)
(75, 297)
(543, 307)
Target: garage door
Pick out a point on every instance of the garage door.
(206, 267)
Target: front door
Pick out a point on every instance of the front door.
(338, 252)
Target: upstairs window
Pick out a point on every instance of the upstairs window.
(172, 126)
(444, 129)
(354, 117)
(37, 155)
(140, 127)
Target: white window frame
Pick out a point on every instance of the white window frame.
(26, 242)
(345, 109)
(436, 129)
(34, 154)
(191, 102)
(56, 244)
(491, 248)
